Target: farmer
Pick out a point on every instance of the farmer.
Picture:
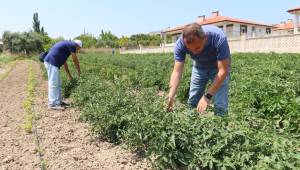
(209, 50)
(113, 51)
(56, 57)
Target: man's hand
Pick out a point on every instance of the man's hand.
(170, 104)
(76, 63)
(203, 104)
(174, 83)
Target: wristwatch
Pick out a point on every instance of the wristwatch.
(208, 96)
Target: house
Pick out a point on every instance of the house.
(233, 27)
(288, 27)
(283, 28)
(155, 33)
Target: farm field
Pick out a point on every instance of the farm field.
(34, 137)
(104, 86)
(123, 98)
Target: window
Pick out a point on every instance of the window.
(229, 30)
(268, 30)
(243, 29)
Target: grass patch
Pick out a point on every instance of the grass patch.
(29, 101)
(6, 73)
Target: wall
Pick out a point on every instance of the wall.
(278, 43)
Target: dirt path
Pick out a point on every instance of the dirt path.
(17, 148)
(64, 140)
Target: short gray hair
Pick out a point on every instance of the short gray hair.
(191, 32)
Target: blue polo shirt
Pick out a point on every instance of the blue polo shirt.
(216, 48)
(60, 52)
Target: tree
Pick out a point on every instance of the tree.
(146, 40)
(26, 42)
(43, 32)
(36, 23)
(48, 42)
(88, 40)
(107, 39)
(123, 41)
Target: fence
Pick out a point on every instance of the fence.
(275, 43)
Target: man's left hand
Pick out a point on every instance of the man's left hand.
(203, 104)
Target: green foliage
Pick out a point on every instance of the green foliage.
(30, 42)
(29, 101)
(43, 31)
(5, 59)
(87, 40)
(119, 97)
(146, 40)
(123, 41)
(25, 42)
(36, 23)
(69, 87)
(48, 42)
(107, 39)
(7, 62)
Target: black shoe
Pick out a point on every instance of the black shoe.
(56, 107)
(64, 104)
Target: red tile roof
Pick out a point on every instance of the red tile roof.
(285, 26)
(216, 19)
(220, 18)
(293, 10)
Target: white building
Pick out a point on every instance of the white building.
(289, 27)
(233, 27)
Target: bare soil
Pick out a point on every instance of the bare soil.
(64, 141)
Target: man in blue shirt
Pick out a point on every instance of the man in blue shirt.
(209, 50)
(56, 57)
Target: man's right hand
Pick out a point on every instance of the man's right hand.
(174, 83)
(170, 104)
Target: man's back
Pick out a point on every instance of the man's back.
(60, 52)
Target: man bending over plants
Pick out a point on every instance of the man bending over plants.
(209, 50)
(56, 57)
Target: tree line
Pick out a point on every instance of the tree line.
(37, 40)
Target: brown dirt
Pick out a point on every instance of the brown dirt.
(17, 148)
(2, 70)
(64, 140)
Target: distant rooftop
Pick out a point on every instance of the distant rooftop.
(216, 18)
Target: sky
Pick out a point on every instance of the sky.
(70, 18)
